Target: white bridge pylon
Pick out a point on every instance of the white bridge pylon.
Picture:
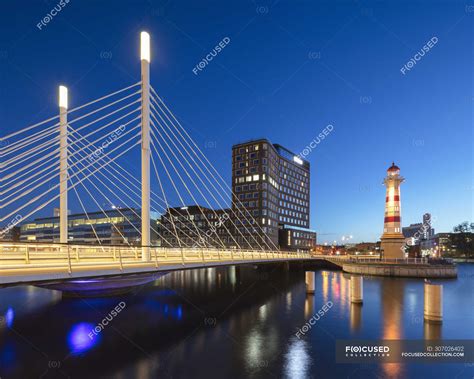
(83, 158)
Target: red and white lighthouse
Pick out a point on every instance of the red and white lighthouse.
(392, 237)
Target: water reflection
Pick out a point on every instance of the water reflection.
(432, 331)
(392, 293)
(162, 331)
(356, 316)
(81, 338)
(9, 316)
(309, 306)
(297, 359)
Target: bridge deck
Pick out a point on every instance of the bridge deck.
(20, 263)
(29, 263)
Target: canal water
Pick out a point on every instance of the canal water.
(234, 322)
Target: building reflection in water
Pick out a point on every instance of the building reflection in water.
(232, 276)
(297, 359)
(355, 316)
(261, 344)
(432, 331)
(262, 313)
(325, 280)
(288, 302)
(309, 306)
(392, 298)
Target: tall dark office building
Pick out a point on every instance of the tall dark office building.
(273, 184)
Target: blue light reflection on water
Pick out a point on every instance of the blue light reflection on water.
(9, 316)
(79, 338)
(7, 355)
(179, 312)
(173, 311)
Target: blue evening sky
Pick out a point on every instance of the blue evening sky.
(290, 69)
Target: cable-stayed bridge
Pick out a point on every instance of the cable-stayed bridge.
(82, 157)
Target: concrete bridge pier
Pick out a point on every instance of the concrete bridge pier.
(310, 282)
(357, 289)
(433, 303)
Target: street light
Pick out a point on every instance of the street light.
(145, 46)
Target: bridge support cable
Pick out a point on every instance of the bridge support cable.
(13, 147)
(194, 164)
(31, 164)
(62, 159)
(137, 188)
(180, 151)
(29, 159)
(167, 209)
(95, 121)
(89, 179)
(96, 130)
(53, 129)
(57, 185)
(44, 157)
(27, 189)
(35, 163)
(30, 174)
(25, 155)
(183, 203)
(105, 97)
(56, 118)
(124, 239)
(28, 128)
(196, 237)
(38, 208)
(200, 241)
(206, 164)
(47, 177)
(213, 174)
(87, 215)
(203, 214)
(155, 129)
(120, 198)
(103, 212)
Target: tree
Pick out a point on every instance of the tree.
(463, 227)
(462, 240)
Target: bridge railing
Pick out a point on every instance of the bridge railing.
(17, 254)
(392, 260)
(376, 260)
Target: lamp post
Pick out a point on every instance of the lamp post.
(145, 151)
(63, 222)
